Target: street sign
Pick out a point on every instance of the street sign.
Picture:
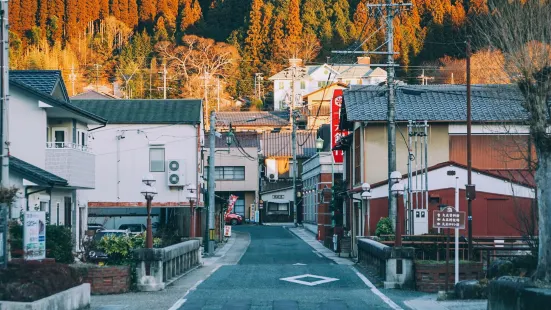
(448, 218)
(227, 231)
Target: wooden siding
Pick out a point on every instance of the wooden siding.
(492, 151)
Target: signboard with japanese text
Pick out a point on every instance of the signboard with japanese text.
(336, 134)
(231, 203)
(34, 235)
(227, 231)
(448, 218)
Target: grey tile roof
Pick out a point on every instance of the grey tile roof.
(260, 118)
(92, 95)
(35, 174)
(245, 139)
(279, 144)
(490, 103)
(42, 80)
(144, 111)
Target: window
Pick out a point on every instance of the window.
(322, 84)
(239, 207)
(357, 158)
(157, 159)
(59, 138)
(278, 208)
(281, 85)
(302, 84)
(229, 173)
(81, 138)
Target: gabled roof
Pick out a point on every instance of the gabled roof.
(344, 72)
(55, 102)
(302, 73)
(341, 84)
(437, 103)
(35, 174)
(254, 118)
(93, 95)
(145, 111)
(44, 81)
(242, 139)
(279, 144)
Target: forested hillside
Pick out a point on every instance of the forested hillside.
(129, 41)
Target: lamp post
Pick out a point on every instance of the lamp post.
(319, 144)
(149, 192)
(192, 199)
(366, 196)
(397, 190)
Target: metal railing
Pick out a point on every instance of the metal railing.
(68, 145)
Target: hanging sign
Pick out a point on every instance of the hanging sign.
(34, 235)
(337, 134)
(448, 218)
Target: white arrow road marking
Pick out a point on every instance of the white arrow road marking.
(299, 264)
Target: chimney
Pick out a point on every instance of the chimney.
(363, 60)
(295, 62)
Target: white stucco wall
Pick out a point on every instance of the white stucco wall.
(27, 128)
(180, 142)
(235, 158)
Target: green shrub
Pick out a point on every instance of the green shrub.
(384, 227)
(119, 248)
(59, 242)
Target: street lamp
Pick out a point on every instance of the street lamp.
(149, 191)
(366, 196)
(319, 144)
(397, 190)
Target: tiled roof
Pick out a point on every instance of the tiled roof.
(92, 95)
(279, 144)
(245, 139)
(260, 118)
(35, 174)
(435, 103)
(143, 111)
(42, 80)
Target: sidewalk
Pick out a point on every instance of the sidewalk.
(425, 302)
(228, 254)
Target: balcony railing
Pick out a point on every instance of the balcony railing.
(68, 145)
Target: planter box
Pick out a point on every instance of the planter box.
(431, 277)
(105, 279)
(74, 298)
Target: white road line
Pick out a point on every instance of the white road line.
(318, 254)
(182, 300)
(375, 291)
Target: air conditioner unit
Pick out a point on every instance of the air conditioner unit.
(271, 170)
(175, 172)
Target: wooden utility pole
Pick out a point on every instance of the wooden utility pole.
(470, 186)
(72, 79)
(205, 78)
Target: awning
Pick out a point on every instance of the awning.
(277, 201)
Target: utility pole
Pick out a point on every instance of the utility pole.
(164, 73)
(209, 246)
(97, 66)
(294, 137)
(470, 187)
(391, 10)
(424, 79)
(5, 96)
(218, 94)
(73, 78)
(205, 77)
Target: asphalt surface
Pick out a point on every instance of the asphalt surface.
(280, 271)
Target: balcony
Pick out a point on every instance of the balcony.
(73, 162)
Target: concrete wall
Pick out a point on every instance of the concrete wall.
(27, 129)
(375, 150)
(119, 170)
(76, 166)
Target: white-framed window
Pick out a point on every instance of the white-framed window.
(157, 159)
(278, 208)
(302, 84)
(322, 84)
(82, 138)
(60, 137)
(230, 173)
(281, 85)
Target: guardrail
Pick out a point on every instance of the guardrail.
(157, 268)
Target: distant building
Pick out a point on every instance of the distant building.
(93, 95)
(314, 77)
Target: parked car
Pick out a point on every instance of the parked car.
(98, 256)
(134, 229)
(95, 226)
(233, 219)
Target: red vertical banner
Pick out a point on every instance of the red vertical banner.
(337, 134)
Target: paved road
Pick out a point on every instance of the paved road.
(280, 271)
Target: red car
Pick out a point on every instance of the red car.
(234, 219)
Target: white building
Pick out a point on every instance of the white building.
(313, 77)
(161, 137)
(50, 161)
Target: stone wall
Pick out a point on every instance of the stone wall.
(105, 279)
(431, 278)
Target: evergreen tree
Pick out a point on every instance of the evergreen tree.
(294, 25)
(132, 14)
(278, 42)
(190, 14)
(161, 34)
(115, 9)
(253, 42)
(28, 14)
(147, 12)
(14, 17)
(123, 9)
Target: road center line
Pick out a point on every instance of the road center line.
(376, 291)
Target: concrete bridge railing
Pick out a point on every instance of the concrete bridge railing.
(156, 268)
